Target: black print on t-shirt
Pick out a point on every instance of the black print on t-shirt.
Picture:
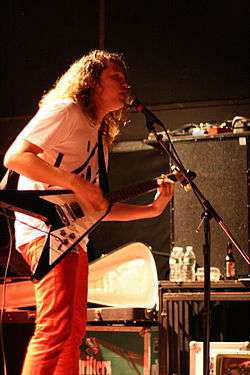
(86, 162)
(85, 169)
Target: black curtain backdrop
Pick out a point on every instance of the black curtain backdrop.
(177, 51)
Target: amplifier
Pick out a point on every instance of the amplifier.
(222, 167)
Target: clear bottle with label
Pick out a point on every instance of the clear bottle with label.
(189, 263)
(176, 264)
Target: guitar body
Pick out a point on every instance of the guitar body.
(67, 225)
(65, 218)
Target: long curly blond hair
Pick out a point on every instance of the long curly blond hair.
(77, 84)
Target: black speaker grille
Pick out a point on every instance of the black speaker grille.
(221, 165)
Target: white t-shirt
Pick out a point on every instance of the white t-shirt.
(63, 132)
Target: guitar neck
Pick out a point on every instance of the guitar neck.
(36, 203)
(132, 191)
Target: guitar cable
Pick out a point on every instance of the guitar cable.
(8, 218)
(4, 292)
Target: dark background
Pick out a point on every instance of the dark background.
(184, 56)
(188, 60)
(177, 51)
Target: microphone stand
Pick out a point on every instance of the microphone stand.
(207, 214)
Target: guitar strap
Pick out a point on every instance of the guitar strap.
(9, 180)
(103, 175)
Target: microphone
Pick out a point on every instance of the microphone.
(135, 103)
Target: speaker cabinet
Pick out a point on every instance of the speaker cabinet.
(222, 167)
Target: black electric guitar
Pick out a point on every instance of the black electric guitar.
(67, 224)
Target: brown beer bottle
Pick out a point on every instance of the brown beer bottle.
(230, 263)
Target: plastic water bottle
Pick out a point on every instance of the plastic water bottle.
(179, 264)
(172, 261)
(176, 264)
(189, 262)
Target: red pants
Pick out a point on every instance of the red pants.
(61, 308)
